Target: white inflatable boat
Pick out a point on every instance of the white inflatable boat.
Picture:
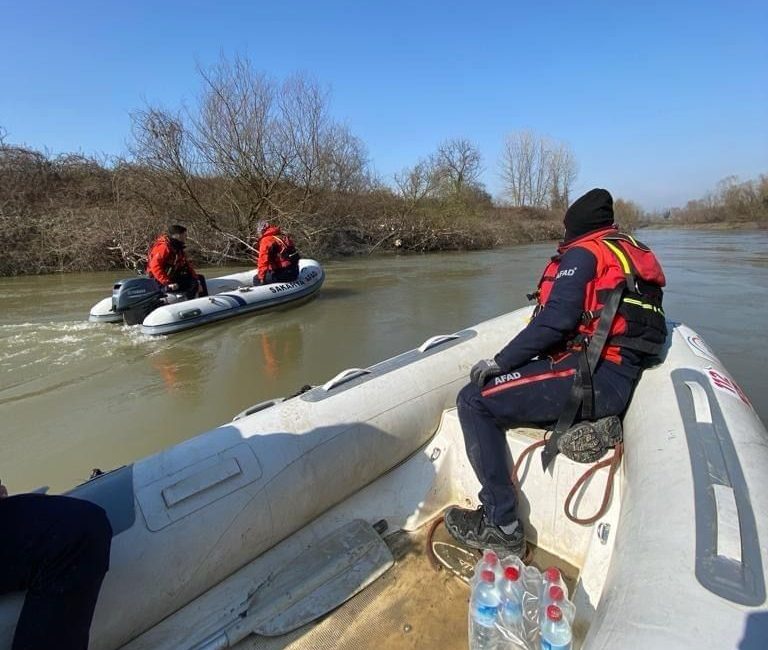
(139, 300)
(241, 536)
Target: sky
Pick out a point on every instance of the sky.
(658, 100)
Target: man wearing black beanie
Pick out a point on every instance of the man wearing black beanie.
(590, 212)
(598, 316)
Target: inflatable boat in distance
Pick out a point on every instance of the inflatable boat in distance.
(141, 300)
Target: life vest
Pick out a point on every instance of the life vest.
(287, 255)
(629, 268)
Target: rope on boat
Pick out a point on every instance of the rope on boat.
(614, 462)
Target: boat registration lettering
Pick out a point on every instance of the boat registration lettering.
(724, 383)
(279, 288)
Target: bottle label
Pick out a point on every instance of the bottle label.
(485, 614)
(546, 645)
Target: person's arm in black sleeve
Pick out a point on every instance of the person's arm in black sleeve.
(560, 316)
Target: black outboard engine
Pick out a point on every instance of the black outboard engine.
(135, 298)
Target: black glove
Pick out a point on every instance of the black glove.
(483, 370)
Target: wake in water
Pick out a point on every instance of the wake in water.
(37, 357)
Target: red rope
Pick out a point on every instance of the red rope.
(614, 462)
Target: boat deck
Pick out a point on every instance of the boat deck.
(412, 605)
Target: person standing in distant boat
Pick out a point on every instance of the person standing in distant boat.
(598, 318)
(168, 264)
(277, 259)
(57, 549)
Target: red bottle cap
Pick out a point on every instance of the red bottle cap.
(511, 573)
(487, 576)
(552, 574)
(490, 558)
(556, 593)
(554, 613)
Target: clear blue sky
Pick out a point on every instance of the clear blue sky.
(659, 100)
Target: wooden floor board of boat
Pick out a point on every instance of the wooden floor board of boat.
(411, 606)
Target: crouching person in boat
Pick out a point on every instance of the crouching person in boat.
(168, 264)
(277, 259)
(57, 549)
(598, 317)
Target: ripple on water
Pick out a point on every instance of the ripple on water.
(60, 344)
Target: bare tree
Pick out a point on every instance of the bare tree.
(536, 171)
(251, 148)
(563, 171)
(417, 183)
(459, 163)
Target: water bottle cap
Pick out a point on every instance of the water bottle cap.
(552, 574)
(490, 558)
(554, 613)
(556, 593)
(487, 576)
(512, 573)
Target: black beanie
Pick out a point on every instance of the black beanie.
(592, 211)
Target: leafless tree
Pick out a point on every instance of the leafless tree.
(417, 183)
(536, 171)
(250, 148)
(459, 164)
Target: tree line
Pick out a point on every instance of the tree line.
(252, 148)
(731, 203)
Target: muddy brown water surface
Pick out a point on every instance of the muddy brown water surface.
(76, 395)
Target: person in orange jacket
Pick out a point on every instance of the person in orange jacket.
(277, 259)
(168, 264)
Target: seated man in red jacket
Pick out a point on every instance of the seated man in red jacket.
(168, 264)
(277, 259)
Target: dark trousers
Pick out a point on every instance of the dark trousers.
(533, 394)
(57, 548)
(280, 275)
(188, 285)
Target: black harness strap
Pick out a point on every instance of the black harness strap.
(582, 394)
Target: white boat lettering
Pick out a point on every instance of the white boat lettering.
(285, 287)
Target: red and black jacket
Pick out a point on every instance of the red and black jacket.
(277, 252)
(603, 265)
(625, 265)
(167, 262)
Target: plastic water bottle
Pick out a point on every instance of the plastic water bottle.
(555, 630)
(511, 594)
(553, 577)
(489, 562)
(554, 595)
(483, 611)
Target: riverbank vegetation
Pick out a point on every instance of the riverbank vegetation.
(733, 204)
(253, 148)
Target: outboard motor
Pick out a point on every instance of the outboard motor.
(135, 298)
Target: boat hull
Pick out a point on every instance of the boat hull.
(229, 296)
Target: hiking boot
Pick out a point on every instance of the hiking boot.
(586, 442)
(472, 528)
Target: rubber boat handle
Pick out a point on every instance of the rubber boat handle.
(343, 376)
(437, 340)
(257, 407)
